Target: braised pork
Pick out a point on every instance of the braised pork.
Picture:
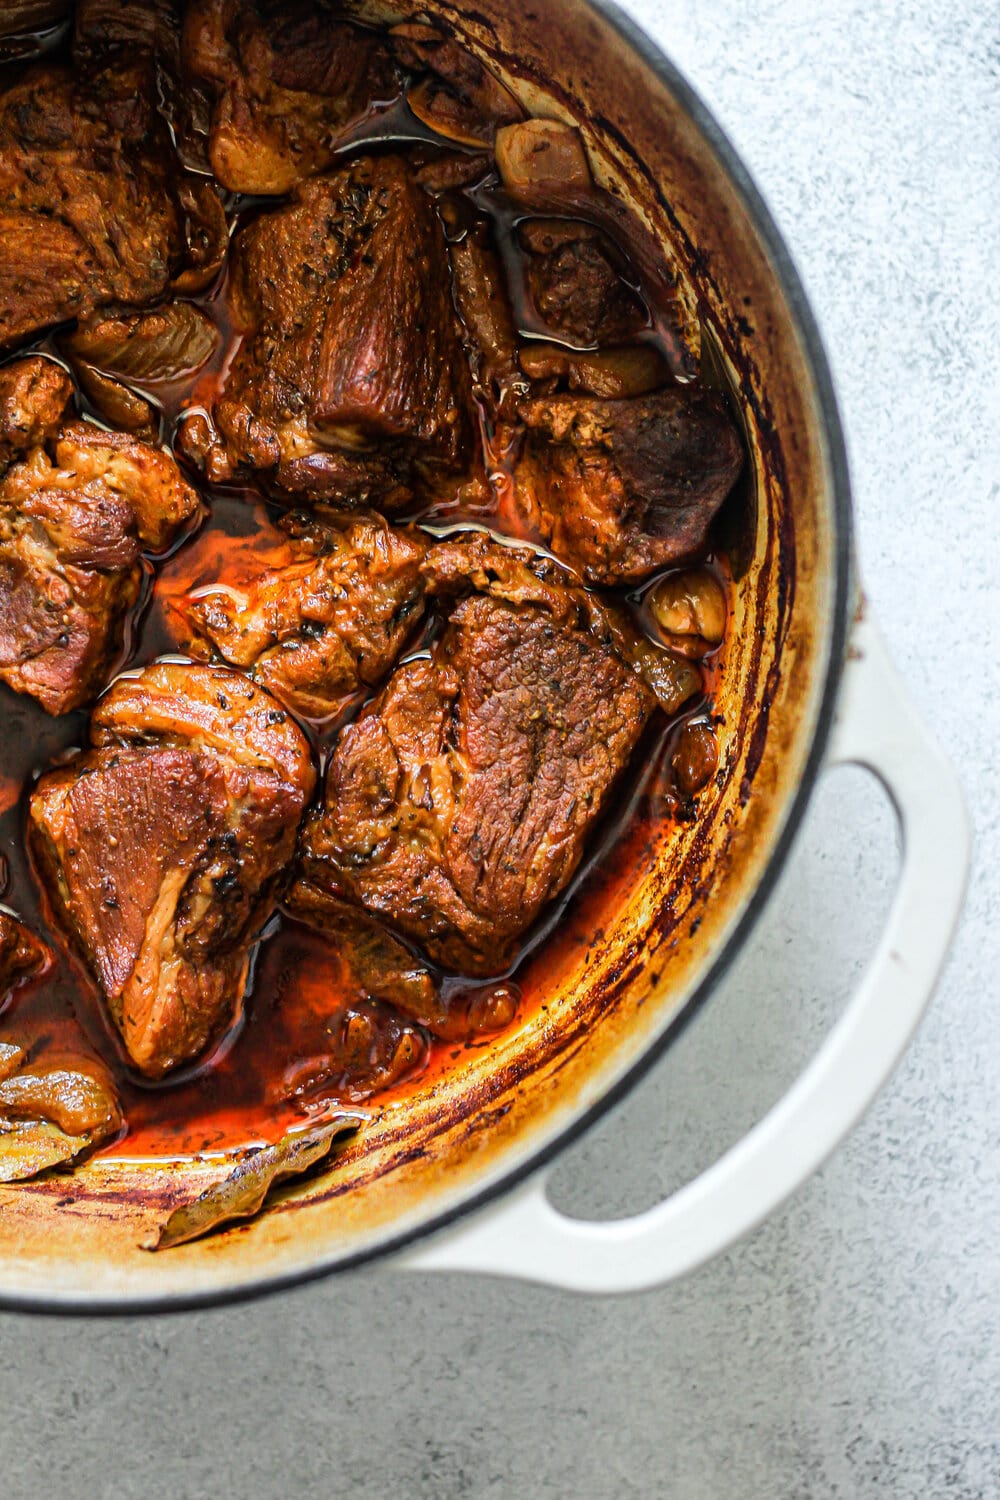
(162, 844)
(286, 79)
(458, 804)
(350, 381)
(93, 206)
(77, 509)
(327, 618)
(576, 289)
(34, 394)
(620, 488)
(375, 306)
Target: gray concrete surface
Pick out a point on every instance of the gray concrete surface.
(850, 1348)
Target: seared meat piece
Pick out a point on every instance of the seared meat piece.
(351, 372)
(328, 617)
(286, 80)
(34, 394)
(148, 33)
(459, 802)
(512, 573)
(574, 285)
(89, 205)
(621, 488)
(72, 528)
(161, 847)
(22, 956)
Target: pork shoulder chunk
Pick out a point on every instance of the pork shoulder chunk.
(459, 802)
(161, 847)
(620, 488)
(77, 510)
(575, 286)
(351, 381)
(286, 79)
(91, 207)
(326, 618)
(104, 28)
(34, 394)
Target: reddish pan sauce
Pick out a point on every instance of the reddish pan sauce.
(298, 994)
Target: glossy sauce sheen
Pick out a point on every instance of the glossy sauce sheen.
(298, 995)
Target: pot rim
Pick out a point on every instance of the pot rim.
(814, 355)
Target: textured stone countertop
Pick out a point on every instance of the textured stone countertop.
(851, 1347)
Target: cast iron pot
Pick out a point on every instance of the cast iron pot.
(454, 1176)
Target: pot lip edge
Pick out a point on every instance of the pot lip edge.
(845, 592)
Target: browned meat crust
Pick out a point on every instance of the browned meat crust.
(459, 802)
(285, 81)
(327, 620)
(161, 847)
(76, 511)
(619, 489)
(351, 379)
(92, 206)
(34, 394)
(574, 284)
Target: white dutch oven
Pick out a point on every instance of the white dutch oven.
(452, 1176)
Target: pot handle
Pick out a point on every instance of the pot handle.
(522, 1235)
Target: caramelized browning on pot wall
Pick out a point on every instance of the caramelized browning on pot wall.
(415, 489)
